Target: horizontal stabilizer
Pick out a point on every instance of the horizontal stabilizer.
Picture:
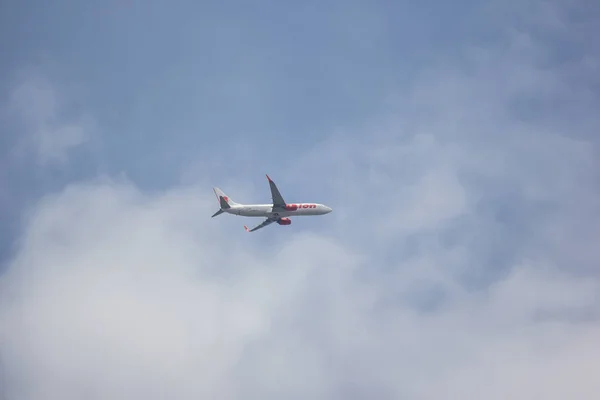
(217, 213)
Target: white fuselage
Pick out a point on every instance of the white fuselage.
(266, 210)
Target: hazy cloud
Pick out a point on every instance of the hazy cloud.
(117, 294)
(48, 131)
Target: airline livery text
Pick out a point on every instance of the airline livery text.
(294, 207)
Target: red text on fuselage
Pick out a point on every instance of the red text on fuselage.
(294, 207)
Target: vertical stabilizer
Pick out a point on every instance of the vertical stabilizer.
(225, 201)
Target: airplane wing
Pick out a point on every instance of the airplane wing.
(266, 222)
(278, 201)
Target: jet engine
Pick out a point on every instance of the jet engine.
(284, 221)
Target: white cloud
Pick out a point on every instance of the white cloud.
(122, 295)
(35, 101)
(164, 291)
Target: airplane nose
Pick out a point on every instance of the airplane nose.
(328, 209)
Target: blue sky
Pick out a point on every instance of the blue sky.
(457, 144)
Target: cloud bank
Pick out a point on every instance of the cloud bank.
(115, 294)
(459, 263)
(50, 133)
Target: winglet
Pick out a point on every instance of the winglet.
(270, 180)
(246, 228)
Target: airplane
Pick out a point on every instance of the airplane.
(279, 211)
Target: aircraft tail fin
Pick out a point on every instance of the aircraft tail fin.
(224, 201)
